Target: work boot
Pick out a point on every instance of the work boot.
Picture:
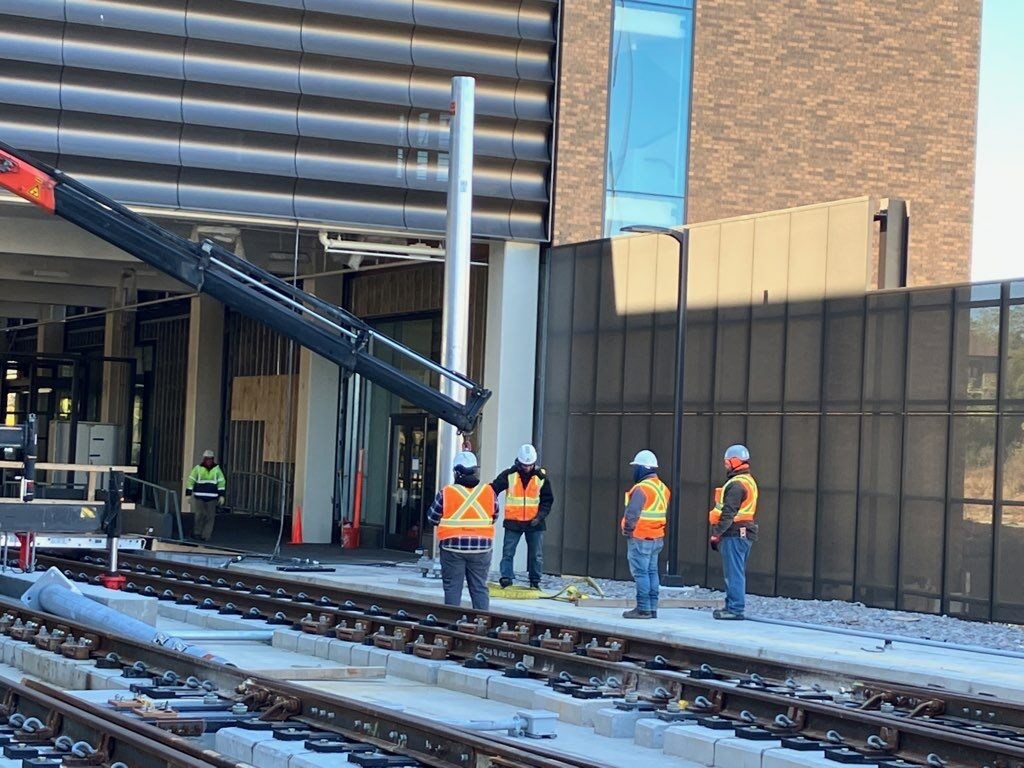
(654, 614)
(636, 613)
(535, 585)
(504, 583)
(726, 615)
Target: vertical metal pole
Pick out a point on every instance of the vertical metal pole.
(458, 230)
(672, 561)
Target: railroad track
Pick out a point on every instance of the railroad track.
(194, 696)
(877, 719)
(44, 726)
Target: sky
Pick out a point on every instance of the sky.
(999, 181)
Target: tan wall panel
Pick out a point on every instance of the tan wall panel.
(702, 279)
(808, 243)
(736, 263)
(666, 284)
(849, 243)
(642, 275)
(771, 259)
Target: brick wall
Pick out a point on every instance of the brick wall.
(582, 120)
(802, 101)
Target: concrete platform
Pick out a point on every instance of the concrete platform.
(839, 655)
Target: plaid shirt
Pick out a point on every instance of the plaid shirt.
(459, 543)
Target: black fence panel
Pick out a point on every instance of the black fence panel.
(887, 432)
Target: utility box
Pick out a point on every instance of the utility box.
(95, 443)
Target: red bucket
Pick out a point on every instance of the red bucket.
(349, 536)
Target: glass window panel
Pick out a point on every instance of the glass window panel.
(623, 209)
(928, 352)
(798, 505)
(969, 560)
(1009, 598)
(885, 355)
(878, 512)
(844, 353)
(972, 458)
(648, 117)
(976, 349)
(840, 436)
(1013, 458)
(1013, 372)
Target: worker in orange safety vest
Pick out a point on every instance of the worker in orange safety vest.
(643, 523)
(734, 528)
(464, 513)
(528, 501)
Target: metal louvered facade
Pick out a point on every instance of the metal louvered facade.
(312, 110)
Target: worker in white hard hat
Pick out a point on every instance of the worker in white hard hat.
(643, 523)
(528, 500)
(464, 513)
(206, 485)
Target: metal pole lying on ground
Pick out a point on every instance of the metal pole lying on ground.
(55, 594)
(458, 232)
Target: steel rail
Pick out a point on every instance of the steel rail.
(919, 721)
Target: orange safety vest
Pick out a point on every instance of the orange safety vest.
(654, 513)
(467, 512)
(522, 504)
(747, 510)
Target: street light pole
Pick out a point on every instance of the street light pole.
(682, 238)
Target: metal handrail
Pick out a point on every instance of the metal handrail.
(237, 480)
(164, 500)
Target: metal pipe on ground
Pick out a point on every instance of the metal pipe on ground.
(892, 638)
(228, 635)
(55, 594)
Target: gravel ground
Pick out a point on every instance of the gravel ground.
(835, 613)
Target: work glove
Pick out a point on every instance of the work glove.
(220, 501)
(188, 491)
(535, 522)
(714, 541)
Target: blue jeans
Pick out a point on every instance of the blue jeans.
(735, 550)
(643, 564)
(534, 551)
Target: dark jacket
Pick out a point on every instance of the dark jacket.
(547, 498)
(732, 500)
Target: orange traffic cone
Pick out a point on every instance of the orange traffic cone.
(297, 526)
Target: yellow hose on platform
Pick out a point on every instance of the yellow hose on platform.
(569, 593)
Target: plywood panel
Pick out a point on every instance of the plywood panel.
(849, 242)
(266, 398)
(771, 259)
(808, 240)
(736, 263)
(702, 285)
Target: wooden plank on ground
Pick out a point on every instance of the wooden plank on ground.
(325, 673)
(46, 465)
(663, 602)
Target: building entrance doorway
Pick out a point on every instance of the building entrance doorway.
(411, 469)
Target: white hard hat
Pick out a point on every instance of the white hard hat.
(527, 455)
(645, 459)
(208, 454)
(466, 460)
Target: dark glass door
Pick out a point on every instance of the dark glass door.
(410, 475)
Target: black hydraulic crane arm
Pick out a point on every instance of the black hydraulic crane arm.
(207, 267)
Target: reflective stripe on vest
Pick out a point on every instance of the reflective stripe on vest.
(522, 504)
(654, 512)
(467, 512)
(748, 508)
